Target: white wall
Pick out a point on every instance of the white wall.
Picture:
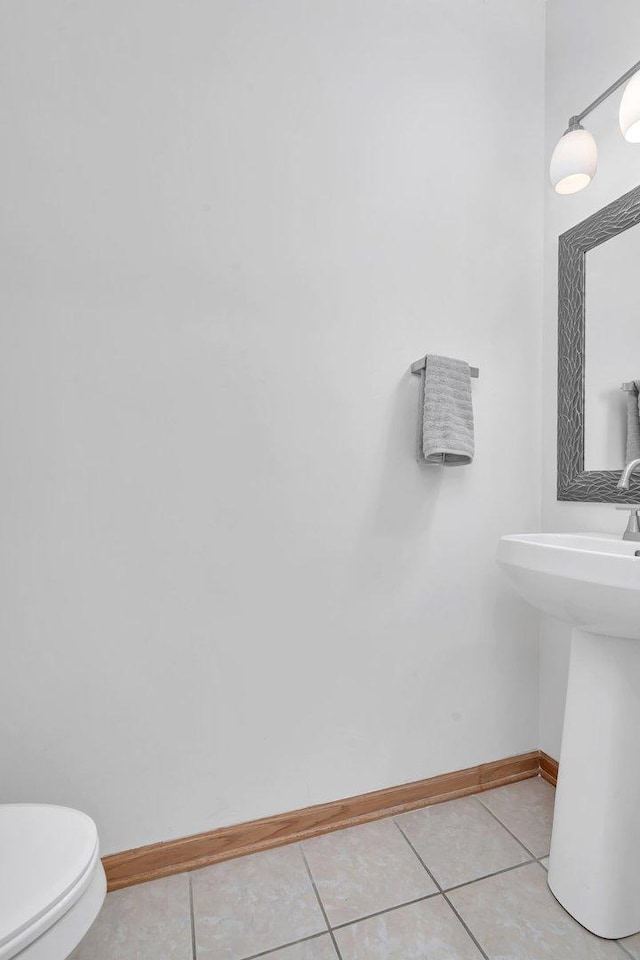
(589, 45)
(228, 589)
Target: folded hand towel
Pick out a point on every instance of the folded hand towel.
(446, 435)
(633, 423)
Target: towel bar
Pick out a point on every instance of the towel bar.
(473, 371)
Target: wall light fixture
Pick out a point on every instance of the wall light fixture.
(575, 158)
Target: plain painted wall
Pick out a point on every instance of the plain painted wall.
(228, 589)
(589, 44)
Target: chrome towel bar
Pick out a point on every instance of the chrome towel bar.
(420, 365)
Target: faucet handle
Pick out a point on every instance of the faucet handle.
(633, 527)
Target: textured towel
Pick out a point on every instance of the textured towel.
(446, 428)
(633, 423)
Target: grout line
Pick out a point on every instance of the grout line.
(283, 946)
(475, 940)
(192, 918)
(496, 873)
(498, 820)
(444, 895)
(403, 834)
(380, 913)
(485, 876)
(320, 904)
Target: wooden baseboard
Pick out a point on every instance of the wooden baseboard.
(548, 768)
(200, 850)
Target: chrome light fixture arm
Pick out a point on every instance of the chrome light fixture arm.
(575, 158)
(579, 117)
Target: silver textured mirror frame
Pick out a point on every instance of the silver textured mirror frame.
(574, 482)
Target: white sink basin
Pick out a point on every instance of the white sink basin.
(593, 583)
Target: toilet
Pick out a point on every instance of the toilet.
(52, 883)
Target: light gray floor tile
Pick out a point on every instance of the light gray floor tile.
(460, 841)
(254, 904)
(145, 922)
(526, 808)
(514, 916)
(364, 869)
(632, 944)
(320, 948)
(428, 930)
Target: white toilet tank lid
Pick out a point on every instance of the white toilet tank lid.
(46, 854)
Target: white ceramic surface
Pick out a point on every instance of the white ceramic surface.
(59, 940)
(148, 921)
(52, 883)
(593, 583)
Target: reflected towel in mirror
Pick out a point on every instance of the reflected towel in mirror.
(633, 423)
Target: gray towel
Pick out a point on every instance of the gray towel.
(633, 424)
(446, 434)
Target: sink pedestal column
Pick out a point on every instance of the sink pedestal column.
(594, 869)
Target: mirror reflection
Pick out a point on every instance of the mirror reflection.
(612, 352)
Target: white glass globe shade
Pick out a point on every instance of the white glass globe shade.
(629, 114)
(574, 162)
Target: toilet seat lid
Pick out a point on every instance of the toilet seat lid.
(45, 852)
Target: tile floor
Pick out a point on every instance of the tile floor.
(455, 881)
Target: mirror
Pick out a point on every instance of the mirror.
(598, 350)
(611, 348)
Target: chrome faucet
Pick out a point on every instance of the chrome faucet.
(633, 527)
(623, 482)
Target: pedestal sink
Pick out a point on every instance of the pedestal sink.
(593, 583)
